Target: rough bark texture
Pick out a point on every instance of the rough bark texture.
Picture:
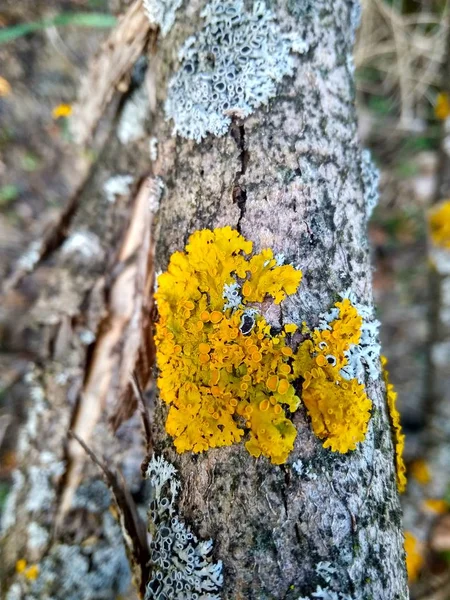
(291, 177)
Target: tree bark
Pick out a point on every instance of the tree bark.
(291, 177)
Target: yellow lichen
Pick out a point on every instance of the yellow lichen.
(62, 111)
(436, 505)
(399, 438)
(414, 556)
(442, 106)
(21, 565)
(420, 471)
(339, 408)
(30, 572)
(439, 224)
(221, 370)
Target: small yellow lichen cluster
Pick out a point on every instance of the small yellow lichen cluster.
(420, 471)
(339, 408)
(442, 106)
(221, 369)
(439, 223)
(399, 438)
(62, 110)
(30, 572)
(414, 556)
(439, 506)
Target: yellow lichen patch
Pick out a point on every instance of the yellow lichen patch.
(62, 110)
(399, 438)
(442, 106)
(420, 471)
(438, 506)
(331, 344)
(32, 572)
(21, 565)
(414, 557)
(439, 224)
(269, 279)
(339, 408)
(221, 370)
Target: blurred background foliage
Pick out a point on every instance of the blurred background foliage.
(401, 59)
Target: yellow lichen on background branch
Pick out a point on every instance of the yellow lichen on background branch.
(442, 106)
(414, 556)
(439, 224)
(222, 372)
(420, 470)
(399, 437)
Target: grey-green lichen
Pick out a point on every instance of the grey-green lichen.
(181, 564)
(231, 67)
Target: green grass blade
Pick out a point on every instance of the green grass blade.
(79, 19)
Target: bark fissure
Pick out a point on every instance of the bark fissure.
(239, 192)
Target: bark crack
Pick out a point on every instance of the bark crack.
(239, 190)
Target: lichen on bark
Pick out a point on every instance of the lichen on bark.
(293, 177)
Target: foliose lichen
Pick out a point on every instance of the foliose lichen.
(338, 406)
(230, 68)
(330, 575)
(420, 471)
(37, 537)
(399, 438)
(363, 357)
(29, 572)
(222, 370)
(325, 570)
(116, 186)
(131, 125)
(181, 565)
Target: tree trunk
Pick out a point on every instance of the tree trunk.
(291, 177)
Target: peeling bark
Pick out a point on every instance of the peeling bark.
(291, 177)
